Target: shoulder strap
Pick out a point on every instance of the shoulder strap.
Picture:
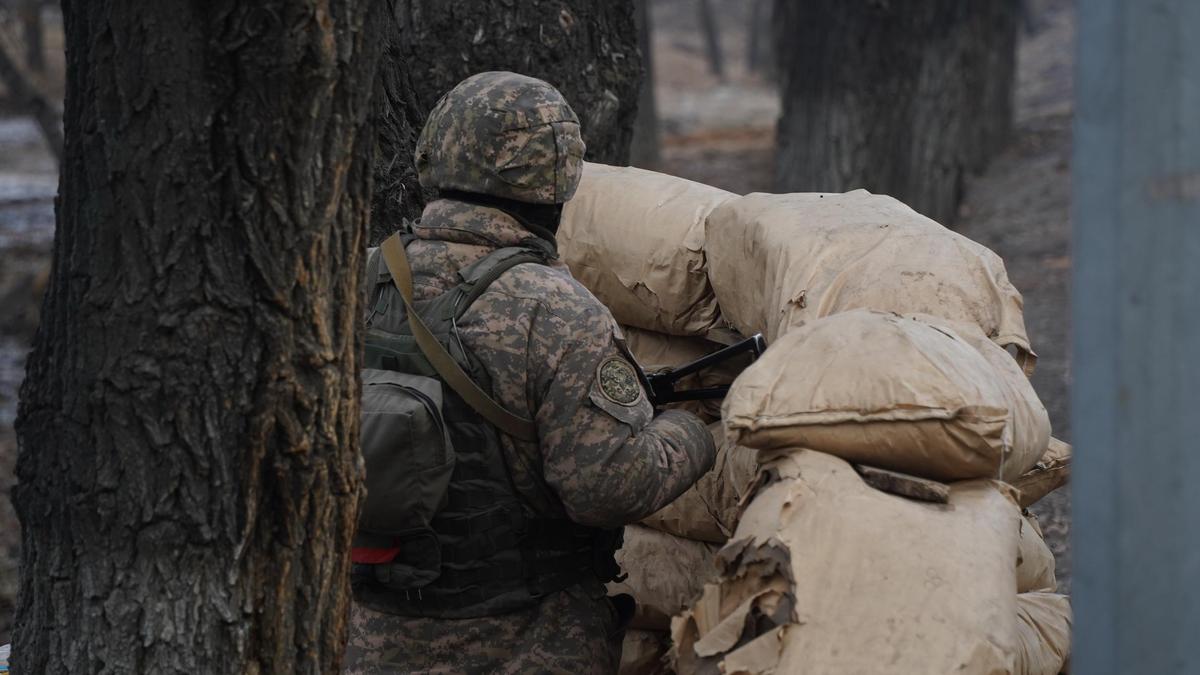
(480, 274)
(396, 260)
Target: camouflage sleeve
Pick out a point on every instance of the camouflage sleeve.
(605, 455)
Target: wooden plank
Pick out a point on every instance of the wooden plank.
(894, 482)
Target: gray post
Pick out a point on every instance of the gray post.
(1136, 391)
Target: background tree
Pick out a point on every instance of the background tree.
(189, 473)
(645, 147)
(899, 98)
(587, 49)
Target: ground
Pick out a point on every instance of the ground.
(717, 132)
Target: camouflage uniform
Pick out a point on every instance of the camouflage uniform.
(554, 354)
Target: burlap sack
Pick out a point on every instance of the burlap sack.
(1035, 561)
(892, 392)
(635, 239)
(644, 652)
(665, 572)
(708, 511)
(777, 261)
(1051, 472)
(1043, 634)
(826, 575)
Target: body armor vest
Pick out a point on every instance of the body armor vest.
(484, 552)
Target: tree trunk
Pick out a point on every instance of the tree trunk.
(26, 94)
(189, 471)
(32, 31)
(644, 151)
(587, 49)
(712, 39)
(898, 98)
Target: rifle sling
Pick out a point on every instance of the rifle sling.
(447, 368)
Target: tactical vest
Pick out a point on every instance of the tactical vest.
(483, 552)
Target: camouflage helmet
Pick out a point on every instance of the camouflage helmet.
(505, 135)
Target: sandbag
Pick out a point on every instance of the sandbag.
(635, 239)
(1043, 633)
(778, 261)
(827, 575)
(644, 652)
(1051, 472)
(892, 392)
(665, 574)
(1035, 561)
(708, 511)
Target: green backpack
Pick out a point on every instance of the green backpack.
(406, 441)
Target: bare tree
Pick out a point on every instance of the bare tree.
(189, 470)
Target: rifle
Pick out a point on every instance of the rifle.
(661, 386)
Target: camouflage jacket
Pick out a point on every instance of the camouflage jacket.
(554, 354)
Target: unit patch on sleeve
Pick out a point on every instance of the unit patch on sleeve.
(618, 381)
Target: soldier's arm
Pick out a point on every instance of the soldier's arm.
(609, 460)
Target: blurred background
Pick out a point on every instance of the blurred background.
(720, 74)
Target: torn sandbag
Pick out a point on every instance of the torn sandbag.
(635, 239)
(665, 574)
(644, 652)
(1051, 472)
(827, 575)
(1043, 634)
(778, 261)
(708, 511)
(892, 392)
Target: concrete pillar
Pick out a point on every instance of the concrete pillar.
(1136, 389)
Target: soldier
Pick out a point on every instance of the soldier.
(528, 532)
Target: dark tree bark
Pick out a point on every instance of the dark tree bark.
(189, 471)
(644, 151)
(587, 49)
(759, 38)
(398, 120)
(712, 39)
(899, 98)
(30, 12)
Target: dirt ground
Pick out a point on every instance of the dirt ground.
(719, 132)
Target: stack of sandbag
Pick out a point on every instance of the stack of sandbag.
(894, 344)
(922, 396)
(778, 261)
(635, 239)
(669, 557)
(827, 574)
